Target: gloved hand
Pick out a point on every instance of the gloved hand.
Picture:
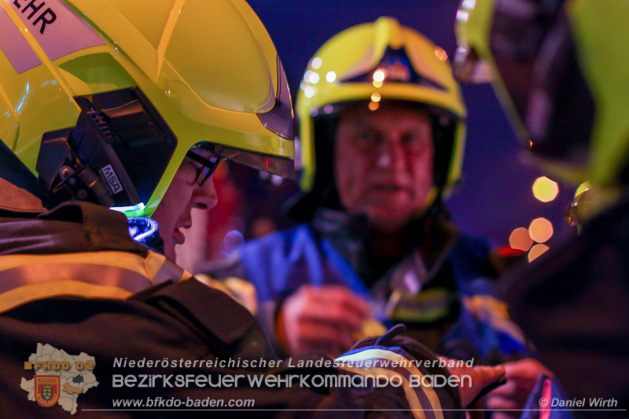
(480, 376)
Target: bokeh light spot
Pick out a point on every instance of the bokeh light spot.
(378, 76)
(545, 189)
(537, 251)
(232, 242)
(309, 92)
(316, 63)
(520, 239)
(541, 230)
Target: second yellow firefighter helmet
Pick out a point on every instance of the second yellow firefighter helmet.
(374, 62)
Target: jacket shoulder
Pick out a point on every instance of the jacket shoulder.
(279, 244)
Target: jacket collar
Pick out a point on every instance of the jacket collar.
(69, 228)
(428, 241)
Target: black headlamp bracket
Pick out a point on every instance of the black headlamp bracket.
(114, 156)
(64, 175)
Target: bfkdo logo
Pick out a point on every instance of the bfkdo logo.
(60, 378)
(47, 389)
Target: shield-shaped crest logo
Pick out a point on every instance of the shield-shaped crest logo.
(47, 389)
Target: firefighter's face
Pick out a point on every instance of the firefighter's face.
(383, 163)
(174, 212)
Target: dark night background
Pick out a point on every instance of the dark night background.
(495, 195)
